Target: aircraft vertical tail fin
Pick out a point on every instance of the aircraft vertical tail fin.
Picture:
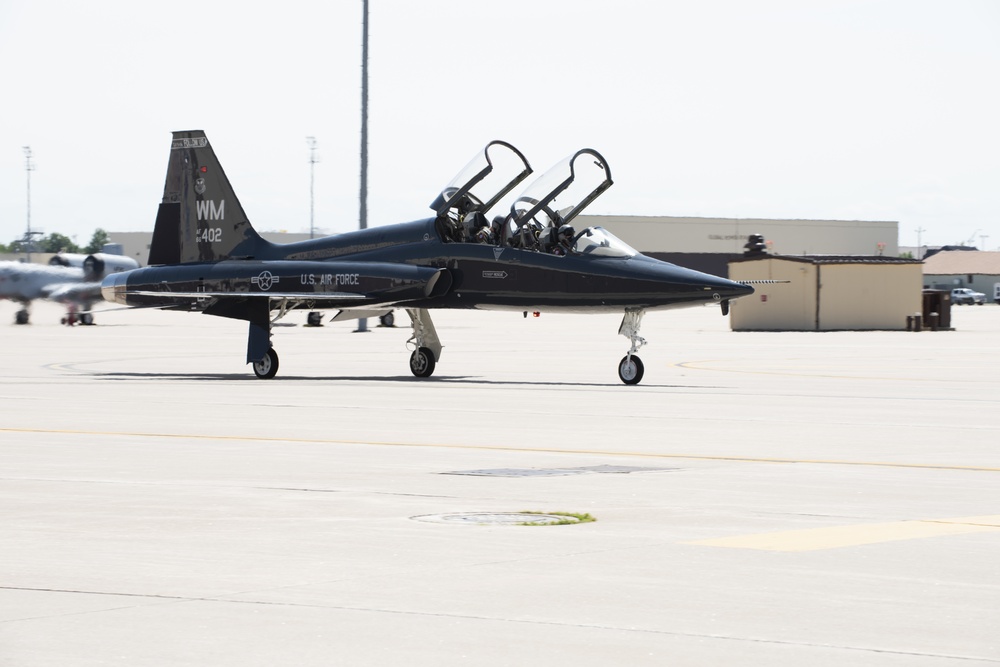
(200, 219)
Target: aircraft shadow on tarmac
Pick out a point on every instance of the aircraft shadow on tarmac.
(407, 379)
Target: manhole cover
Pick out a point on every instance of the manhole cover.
(501, 518)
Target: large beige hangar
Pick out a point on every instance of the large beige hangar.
(705, 244)
(708, 244)
(827, 293)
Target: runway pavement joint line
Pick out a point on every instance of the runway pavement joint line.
(499, 448)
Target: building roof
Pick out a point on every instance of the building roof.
(831, 259)
(958, 262)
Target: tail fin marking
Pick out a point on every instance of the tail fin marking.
(200, 218)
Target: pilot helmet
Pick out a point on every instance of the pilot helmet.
(567, 232)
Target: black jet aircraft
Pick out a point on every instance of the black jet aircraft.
(205, 256)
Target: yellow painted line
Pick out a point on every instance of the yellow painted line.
(501, 448)
(835, 537)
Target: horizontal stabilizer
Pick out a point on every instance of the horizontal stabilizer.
(358, 314)
(74, 292)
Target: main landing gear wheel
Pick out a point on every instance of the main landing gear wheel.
(266, 367)
(422, 362)
(630, 369)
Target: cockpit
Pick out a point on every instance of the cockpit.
(540, 217)
(599, 242)
(464, 203)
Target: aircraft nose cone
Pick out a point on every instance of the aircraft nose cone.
(736, 289)
(113, 287)
(723, 289)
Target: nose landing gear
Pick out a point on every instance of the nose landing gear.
(630, 368)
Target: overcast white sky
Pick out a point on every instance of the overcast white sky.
(825, 109)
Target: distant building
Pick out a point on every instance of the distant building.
(705, 244)
(948, 269)
(136, 244)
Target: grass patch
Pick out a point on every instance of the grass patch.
(572, 518)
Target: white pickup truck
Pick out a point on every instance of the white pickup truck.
(963, 295)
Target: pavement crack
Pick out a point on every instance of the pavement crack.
(502, 619)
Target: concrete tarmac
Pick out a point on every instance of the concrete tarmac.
(760, 499)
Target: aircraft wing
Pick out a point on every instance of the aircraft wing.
(80, 293)
(241, 287)
(332, 297)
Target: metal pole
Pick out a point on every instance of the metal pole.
(314, 317)
(28, 168)
(363, 212)
(311, 141)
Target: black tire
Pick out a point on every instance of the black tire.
(21, 317)
(388, 320)
(267, 367)
(422, 362)
(86, 319)
(630, 370)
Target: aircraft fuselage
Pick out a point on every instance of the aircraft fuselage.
(408, 263)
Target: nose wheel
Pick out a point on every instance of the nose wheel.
(630, 368)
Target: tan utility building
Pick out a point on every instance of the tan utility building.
(827, 293)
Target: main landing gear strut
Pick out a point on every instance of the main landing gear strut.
(630, 368)
(260, 355)
(424, 342)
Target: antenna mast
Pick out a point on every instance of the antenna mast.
(311, 142)
(29, 167)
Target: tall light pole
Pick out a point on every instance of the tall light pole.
(363, 211)
(29, 167)
(311, 142)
